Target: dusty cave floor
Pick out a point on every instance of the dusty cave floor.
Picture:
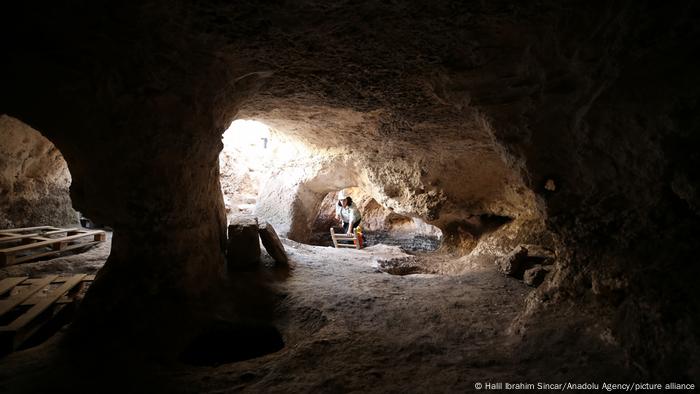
(348, 327)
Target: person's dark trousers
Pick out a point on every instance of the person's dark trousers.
(354, 226)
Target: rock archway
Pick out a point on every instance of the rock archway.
(34, 179)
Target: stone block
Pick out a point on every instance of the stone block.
(243, 245)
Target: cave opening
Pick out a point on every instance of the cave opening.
(244, 163)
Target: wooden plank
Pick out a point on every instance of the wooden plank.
(59, 279)
(6, 259)
(13, 301)
(20, 336)
(335, 242)
(8, 284)
(337, 238)
(9, 234)
(63, 230)
(60, 246)
(34, 311)
(33, 281)
(40, 238)
(43, 309)
(10, 230)
(17, 260)
(65, 299)
(17, 237)
(46, 243)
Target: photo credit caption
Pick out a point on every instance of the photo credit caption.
(569, 386)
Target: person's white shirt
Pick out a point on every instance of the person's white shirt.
(349, 214)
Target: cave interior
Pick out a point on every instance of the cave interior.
(526, 172)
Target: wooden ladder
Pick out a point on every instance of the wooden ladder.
(340, 239)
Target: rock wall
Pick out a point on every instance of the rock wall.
(34, 179)
(599, 119)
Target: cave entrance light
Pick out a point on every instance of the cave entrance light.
(243, 163)
(251, 150)
(248, 137)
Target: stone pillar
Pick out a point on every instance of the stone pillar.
(139, 122)
(243, 245)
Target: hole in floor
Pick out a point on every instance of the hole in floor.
(401, 267)
(226, 342)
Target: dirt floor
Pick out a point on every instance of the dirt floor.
(348, 326)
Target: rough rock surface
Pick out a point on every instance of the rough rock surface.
(399, 265)
(513, 263)
(243, 244)
(535, 276)
(34, 179)
(272, 243)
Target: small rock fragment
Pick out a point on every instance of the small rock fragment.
(513, 264)
(535, 275)
(550, 185)
(537, 251)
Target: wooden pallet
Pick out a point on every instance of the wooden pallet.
(20, 245)
(340, 240)
(27, 305)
